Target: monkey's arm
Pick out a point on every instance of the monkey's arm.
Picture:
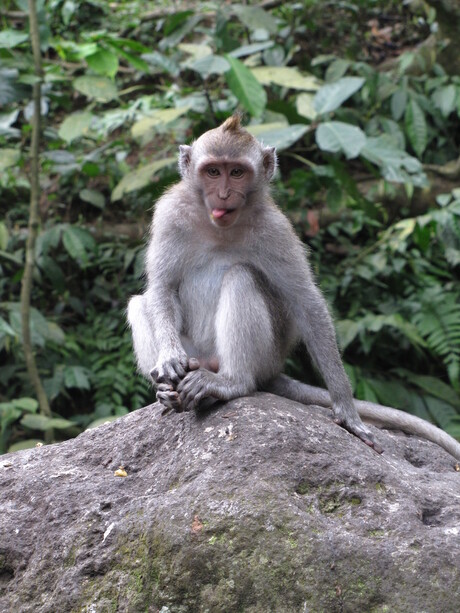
(317, 332)
(375, 413)
(165, 318)
(164, 265)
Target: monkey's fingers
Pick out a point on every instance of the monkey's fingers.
(172, 370)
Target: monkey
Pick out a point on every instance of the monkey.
(230, 292)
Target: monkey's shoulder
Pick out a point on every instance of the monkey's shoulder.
(176, 210)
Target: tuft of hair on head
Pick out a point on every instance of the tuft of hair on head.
(232, 123)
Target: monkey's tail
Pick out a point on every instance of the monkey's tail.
(369, 411)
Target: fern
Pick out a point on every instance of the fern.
(438, 322)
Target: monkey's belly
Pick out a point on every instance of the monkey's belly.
(199, 295)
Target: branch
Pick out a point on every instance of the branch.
(26, 286)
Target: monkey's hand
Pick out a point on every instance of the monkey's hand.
(167, 394)
(349, 419)
(170, 368)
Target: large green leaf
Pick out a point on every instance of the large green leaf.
(336, 136)
(12, 38)
(286, 76)
(26, 404)
(445, 98)
(396, 164)
(210, 64)
(398, 103)
(41, 422)
(278, 135)
(78, 243)
(336, 70)
(255, 18)
(41, 330)
(135, 61)
(196, 51)
(333, 95)
(99, 88)
(104, 62)
(93, 196)
(348, 330)
(140, 178)
(59, 423)
(75, 126)
(444, 414)
(73, 52)
(145, 127)
(416, 128)
(76, 376)
(304, 106)
(36, 422)
(246, 87)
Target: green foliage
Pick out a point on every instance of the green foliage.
(439, 323)
(246, 87)
(121, 90)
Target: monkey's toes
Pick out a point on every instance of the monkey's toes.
(169, 398)
(360, 430)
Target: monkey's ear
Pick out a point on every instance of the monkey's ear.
(270, 161)
(185, 155)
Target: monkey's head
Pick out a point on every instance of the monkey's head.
(225, 166)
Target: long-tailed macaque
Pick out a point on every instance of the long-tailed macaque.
(230, 293)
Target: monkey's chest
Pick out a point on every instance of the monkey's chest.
(199, 294)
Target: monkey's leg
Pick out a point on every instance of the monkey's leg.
(245, 343)
(145, 349)
(147, 353)
(286, 387)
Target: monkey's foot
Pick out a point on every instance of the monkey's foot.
(355, 426)
(169, 398)
(195, 387)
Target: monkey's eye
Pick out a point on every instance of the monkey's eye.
(237, 172)
(213, 172)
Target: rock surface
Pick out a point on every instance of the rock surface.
(263, 505)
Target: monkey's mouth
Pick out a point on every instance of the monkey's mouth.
(221, 213)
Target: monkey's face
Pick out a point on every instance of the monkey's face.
(225, 186)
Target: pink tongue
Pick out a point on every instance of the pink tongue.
(218, 212)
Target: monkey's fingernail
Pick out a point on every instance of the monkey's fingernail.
(193, 364)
